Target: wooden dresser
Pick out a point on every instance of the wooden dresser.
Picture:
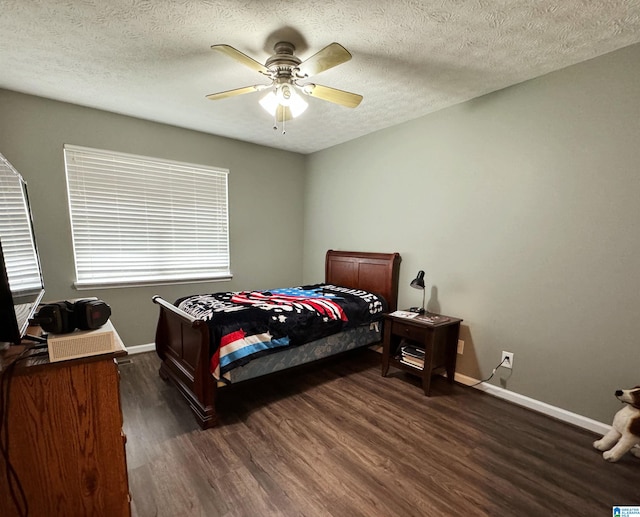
(65, 437)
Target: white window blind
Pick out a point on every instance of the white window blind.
(140, 220)
(18, 245)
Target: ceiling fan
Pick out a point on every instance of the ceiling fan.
(288, 75)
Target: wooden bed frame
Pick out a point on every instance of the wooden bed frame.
(182, 341)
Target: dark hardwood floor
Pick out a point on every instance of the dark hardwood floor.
(337, 439)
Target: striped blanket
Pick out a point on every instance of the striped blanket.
(248, 324)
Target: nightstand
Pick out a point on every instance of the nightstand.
(437, 335)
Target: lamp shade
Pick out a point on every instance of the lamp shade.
(418, 282)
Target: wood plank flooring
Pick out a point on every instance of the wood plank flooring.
(337, 439)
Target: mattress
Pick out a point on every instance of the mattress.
(344, 341)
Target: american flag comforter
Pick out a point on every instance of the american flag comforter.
(248, 324)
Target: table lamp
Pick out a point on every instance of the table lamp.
(418, 283)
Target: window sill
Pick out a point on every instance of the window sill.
(86, 286)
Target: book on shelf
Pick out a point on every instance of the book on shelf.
(412, 361)
(413, 351)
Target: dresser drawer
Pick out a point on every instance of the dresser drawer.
(408, 331)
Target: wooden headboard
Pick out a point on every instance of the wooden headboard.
(375, 272)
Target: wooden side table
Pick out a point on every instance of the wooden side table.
(438, 339)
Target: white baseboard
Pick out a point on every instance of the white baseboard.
(536, 405)
(139, 349)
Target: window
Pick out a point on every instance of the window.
(16, 236)
(138, 220)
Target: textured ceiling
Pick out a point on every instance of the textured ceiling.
(151, 58)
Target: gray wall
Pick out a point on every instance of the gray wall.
(523, 209)
(266, 189)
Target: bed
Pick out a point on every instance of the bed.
(187, 345)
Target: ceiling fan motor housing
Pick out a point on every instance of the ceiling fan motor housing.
(282, 63)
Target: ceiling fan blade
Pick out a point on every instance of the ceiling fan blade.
(241, 57)
(350, 100)
(237, 91)
(330, 56)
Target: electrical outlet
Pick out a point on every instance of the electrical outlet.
(509, 359)
(460, 346)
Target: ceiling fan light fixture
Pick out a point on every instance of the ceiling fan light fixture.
(284, 96)
(270, 103)
(297, 104)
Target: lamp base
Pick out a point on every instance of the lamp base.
(419, 310)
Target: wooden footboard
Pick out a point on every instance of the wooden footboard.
(182, 343)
